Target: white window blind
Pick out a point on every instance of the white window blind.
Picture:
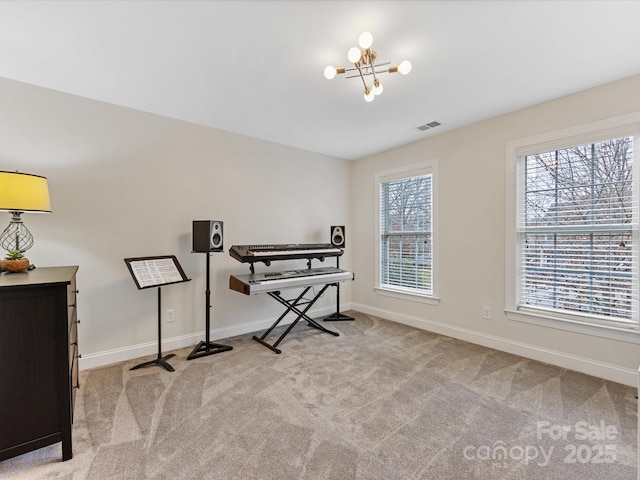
(406, 243)
(578, 232)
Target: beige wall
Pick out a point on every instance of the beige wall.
(125, 183)
(471, 163)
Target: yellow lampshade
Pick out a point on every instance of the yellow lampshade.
(24, 192)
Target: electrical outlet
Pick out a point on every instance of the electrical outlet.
(486, 313)
(171, 316)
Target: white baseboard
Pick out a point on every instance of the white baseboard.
(606, 371)
(108, 357)
(560, 359)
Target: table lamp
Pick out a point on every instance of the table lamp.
(21, 192)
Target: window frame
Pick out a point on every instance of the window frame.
(625, 125)
(409, 171)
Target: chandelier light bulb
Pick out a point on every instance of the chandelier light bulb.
(365, 40)
(330, 72)
(377, 87)
(354, 54)
(368, 95)
(405, 67)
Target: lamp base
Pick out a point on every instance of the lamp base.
(16, 236)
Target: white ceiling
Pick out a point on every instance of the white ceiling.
(256, 67)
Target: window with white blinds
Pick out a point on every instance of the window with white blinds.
(406, 236)
(577, 229)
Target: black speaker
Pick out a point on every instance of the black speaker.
(337, 236)
(207, 236)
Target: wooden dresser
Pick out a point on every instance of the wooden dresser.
(38, 359)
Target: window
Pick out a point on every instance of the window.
(576, 230)
(406, 230)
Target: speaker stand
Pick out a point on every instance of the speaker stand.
(337, 316)
(207, 347)
(160, 360)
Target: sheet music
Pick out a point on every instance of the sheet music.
(157, 271)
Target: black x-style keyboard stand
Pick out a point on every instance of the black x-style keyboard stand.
(292, 306)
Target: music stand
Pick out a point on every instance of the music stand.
(208, 347)
(149, 272)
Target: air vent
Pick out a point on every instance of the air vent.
(429, 125)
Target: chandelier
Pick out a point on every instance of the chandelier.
(364, 61)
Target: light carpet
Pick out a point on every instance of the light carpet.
(382, 401)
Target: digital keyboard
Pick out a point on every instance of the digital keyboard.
(287, 251)
(254, 283)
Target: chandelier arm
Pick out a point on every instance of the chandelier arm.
(367, 74)
(374, 76)
(375, 65)
(372, 65)
(361, 76)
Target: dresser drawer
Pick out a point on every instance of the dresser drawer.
(71, 291)
(73, 330)
(72, 318)
(74, 378)
(71, 296)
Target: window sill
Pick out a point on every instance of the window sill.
(405, 295)
(628, 335)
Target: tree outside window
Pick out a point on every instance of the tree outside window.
(578, 231)
(406, 244)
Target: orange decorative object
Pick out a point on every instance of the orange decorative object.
(15, 266)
